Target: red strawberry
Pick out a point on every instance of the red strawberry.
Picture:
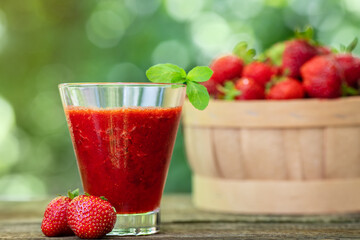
(211, 87)
(226, 68)
(90, 216)
(321, 77)
(323, 50)
(289, 88)
(296, 53)
(54, 222)
(349, 68)
(259, 71)
(249, 89)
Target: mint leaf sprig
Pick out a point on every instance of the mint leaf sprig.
(170, 73)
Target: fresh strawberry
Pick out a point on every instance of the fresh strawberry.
(211, 87)
(289, 88)
(261, 72)
(321, 77)
(296, 53)
(90, 216)
(226, 68)
(323, 50)
(55, 222)
(349, 68)
(249, 89)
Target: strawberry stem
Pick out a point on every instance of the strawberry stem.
(352, 45)
(104, 198)
(348, 91)
(73, 194)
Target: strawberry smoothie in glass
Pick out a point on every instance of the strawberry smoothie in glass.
(123, 136)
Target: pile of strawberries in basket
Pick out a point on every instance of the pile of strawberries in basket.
(297, 68)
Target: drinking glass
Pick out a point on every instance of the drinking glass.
(123, 136)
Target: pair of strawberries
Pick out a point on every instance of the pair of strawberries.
(289, 70)
(86, 216)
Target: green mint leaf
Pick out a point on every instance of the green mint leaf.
(166, 73)
(199, 74)
(197, 94)
(169, 73)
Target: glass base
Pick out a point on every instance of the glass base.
(136, 224)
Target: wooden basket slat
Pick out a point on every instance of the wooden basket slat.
(342, 150)
(227, 145)
(275, 114)
(293, 156)
(311, 142)
(261, 159)
(200, 143)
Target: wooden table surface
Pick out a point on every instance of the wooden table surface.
(22, 220)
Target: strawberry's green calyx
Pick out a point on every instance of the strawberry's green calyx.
(170, 73)
(229, 90)
(241, 50)
(348, 91)
(274, 53)
(307, 34)
(346, 49)
(104, 198)
(73, 194)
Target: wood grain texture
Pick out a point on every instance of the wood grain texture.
(228, 151)
(298, 141)
(263, 154)
(199, 142)
(277, 197)
(181, 220)
(274, 114)
(342, 151)
(311, 142)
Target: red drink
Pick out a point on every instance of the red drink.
(124, 153)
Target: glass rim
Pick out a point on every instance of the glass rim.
(119, 84)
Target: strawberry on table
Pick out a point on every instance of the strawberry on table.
(249, 89)
(54, 222)
(287, 88)
(261, 72)
(321, 77)
(90, 216)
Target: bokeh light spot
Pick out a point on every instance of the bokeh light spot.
(182, 10)
(209, 31)
(105, 29)
(46, 113)
(7, 119)
(245, 9)
(171, 52)
(353, 6)
(21, 187)
(141, 7)
(9, 153)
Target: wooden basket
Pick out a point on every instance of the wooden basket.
(277, 157)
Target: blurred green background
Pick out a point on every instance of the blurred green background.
(47, 42)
